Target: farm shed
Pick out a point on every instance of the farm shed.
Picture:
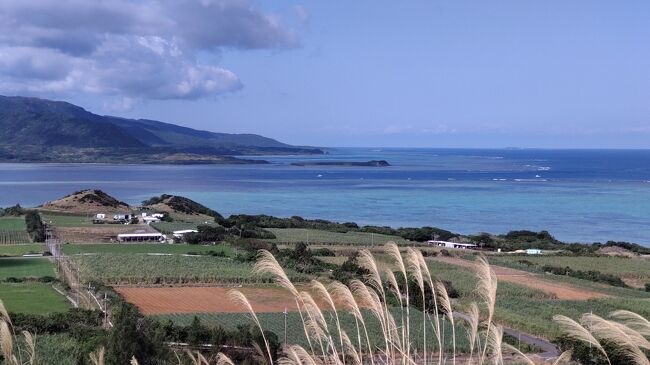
(181, 233)
(141, 237)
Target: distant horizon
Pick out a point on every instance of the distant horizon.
(544, 74)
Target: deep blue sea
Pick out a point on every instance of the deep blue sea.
(578, 195)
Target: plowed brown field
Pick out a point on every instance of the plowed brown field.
(205, 300)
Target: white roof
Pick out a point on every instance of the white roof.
(126, 235)
(183, 231)
(453, 243)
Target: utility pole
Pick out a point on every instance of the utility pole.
(105, 311)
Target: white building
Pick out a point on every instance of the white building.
(463, 246)
(150, 220)
(181, 233)
(100, 216)
(533, 251)
(158, 215)
(141, 237)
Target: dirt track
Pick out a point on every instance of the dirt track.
(560, 290)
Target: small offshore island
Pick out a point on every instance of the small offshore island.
(371, 163)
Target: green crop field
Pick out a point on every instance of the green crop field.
(132, 248)
(67, 220)
(162, 268)
(274, 322)
(621, 266)
(19, 250)
(33, 298)
(532, 310)
(293, 235)
(25, 268)
(12, 231)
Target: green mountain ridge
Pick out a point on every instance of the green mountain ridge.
(40, 130)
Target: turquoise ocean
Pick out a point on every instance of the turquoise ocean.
(577, 195)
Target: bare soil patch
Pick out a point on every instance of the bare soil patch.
(560, 290)
(152, 301)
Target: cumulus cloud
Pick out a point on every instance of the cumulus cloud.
(130, 49)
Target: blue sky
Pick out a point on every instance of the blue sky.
(348, 73)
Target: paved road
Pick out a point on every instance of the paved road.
(549, 350)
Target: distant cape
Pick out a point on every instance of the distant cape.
(41, 130)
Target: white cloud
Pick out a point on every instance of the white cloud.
(129, 49)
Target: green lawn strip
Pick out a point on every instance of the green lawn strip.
(293, 235)
(274, 322)
(32, 298)
(19, 250)
(113, 268)
(25, 268)
(132, 248)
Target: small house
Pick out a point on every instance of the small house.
(446, 244)
(149, 220)
(533, 251)
(100, 216)
(122, 217)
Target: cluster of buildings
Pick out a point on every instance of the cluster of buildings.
(126, 218)
(152, 237)
(471, 246)
(139, 236)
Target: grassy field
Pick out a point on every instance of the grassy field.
(532, 310)
(19, 250)
(620, 266)
(60, 349)
(25, 268)
(274, 322)
(12, 231)
(133, 248)
(33, 298)
(160, 269)
(67, 220)
(293, 235)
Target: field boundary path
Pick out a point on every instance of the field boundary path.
(68, 272)
(561, 290)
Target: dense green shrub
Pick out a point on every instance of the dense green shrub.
(35, 226)
(14, 211)
(591, 275)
